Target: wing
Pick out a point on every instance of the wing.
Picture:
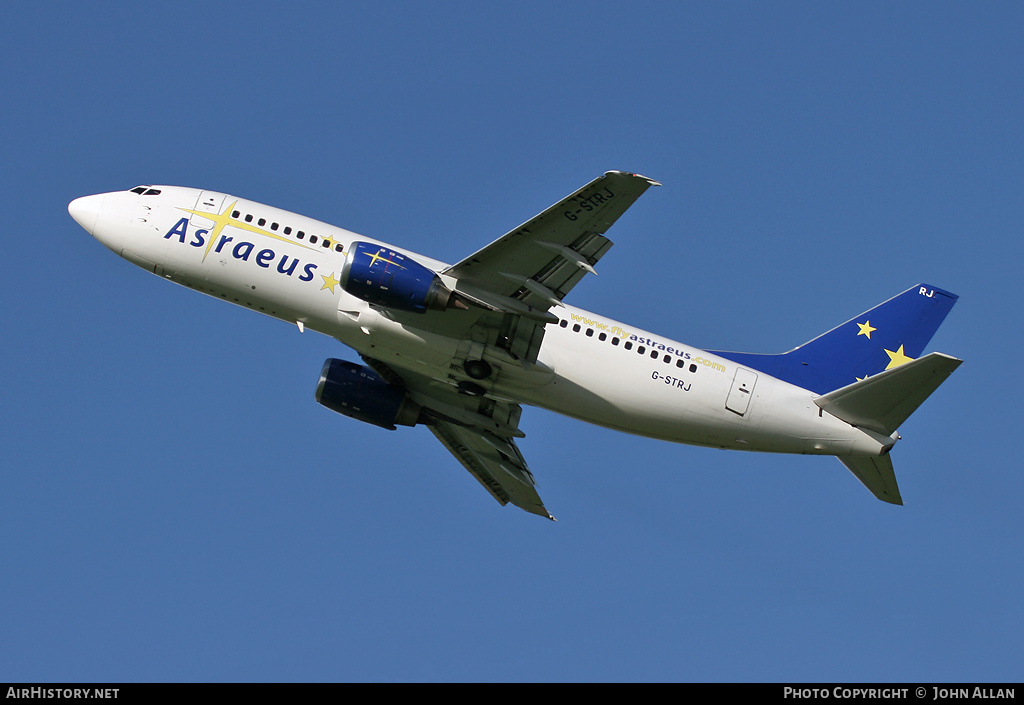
(539, 262)
(495, 462)
(479, 431)
(506, 290)
(522, 274)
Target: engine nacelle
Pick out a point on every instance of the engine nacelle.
(359, 392)
(387, 278)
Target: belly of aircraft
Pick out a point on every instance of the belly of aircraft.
(645, 400)
(780, 418)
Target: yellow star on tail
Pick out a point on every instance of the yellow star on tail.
(897, 358)
(866, 329)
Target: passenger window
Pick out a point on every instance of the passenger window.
(693, 368)
(261, 222)
(576, 328)
(679, 362)
(564, 323)
(615, 341)
(248, 217)
(590, 332)
(235, 214)
(301, 235)
(312, 239)
(629, 345)
(287, 230)
(273, 226)
(602, 336)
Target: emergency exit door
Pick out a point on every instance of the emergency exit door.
(741, 392)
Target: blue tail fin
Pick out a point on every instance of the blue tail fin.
(884, 337)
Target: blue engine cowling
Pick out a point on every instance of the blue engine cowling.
(359, 392)
(387, 278)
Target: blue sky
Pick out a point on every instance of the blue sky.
(175, 505)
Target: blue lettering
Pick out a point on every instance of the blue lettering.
(242, 251)
(283, 263)
(179, 229)
(264, 257)
(308, 269)
(224, 239)
(199, 239)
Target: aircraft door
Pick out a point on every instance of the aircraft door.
(208, 202)
(741, 392)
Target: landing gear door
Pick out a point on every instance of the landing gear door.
(208, 202)
(741, 392)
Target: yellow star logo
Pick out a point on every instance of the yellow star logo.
(221, 220)
(897, 358)
(329, 282)
(866, 329)
(331, 242)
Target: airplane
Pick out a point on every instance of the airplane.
(460, 348)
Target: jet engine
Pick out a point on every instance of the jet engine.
(360, 393)
(381, 276)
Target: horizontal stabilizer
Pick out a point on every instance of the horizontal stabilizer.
(884, 401)
(876, 473)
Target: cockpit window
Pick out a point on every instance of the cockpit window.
(152, 192)
(139, 189)
(146, 191)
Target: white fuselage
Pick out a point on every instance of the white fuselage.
(589, 367)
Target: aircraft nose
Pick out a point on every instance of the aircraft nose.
(86, 210)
